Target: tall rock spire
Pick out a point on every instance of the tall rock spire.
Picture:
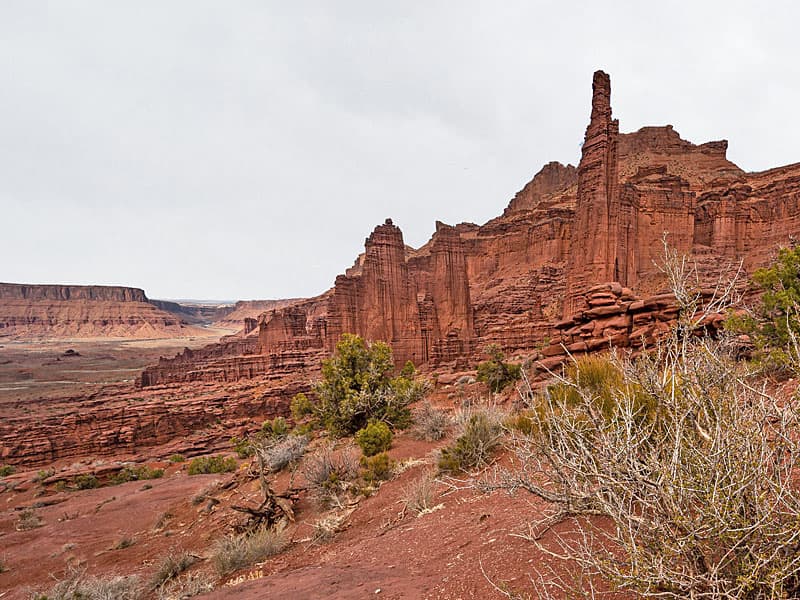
(592, 256)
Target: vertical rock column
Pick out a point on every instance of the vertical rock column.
(593, 249)
(450, 292)
(381, 302)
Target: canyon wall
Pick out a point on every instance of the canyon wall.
(513, 279)
(66, 311)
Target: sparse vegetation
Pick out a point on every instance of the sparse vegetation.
(327, 527)
(162, 520)
(419, 495)
(124, 542)
(377, 468)
(212, 464)
(356, 387)
(277, 428)
(376, 437)
(301, 407)
(28, 519)
(137, 473)
(6, 470)
(78, 586)
(43, 474)
(474, 448)
(699, 498)
(177, 458)
(185, 586)
(170, 566)
(496, 372)
(239, 551)
(430, 424)
(330, 473)
(86, 481)
(242, 446)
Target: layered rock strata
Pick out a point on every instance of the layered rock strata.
(509, 281)
(60, 311)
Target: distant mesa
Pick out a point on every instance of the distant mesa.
(29, 311)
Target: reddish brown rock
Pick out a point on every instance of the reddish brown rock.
(55, 311)
(521, 279)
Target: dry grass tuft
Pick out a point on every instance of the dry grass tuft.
(170, 567)
(78, 586)
(420, 495)
(236, 552)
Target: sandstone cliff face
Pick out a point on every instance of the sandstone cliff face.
(55, 311)
(108, 293)
(569, 229)
(568, 267)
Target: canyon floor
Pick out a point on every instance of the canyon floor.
(60, 367)
(464, 545)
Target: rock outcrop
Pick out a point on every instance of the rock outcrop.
(511, 280)
(62, 311)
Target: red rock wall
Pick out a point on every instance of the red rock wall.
(511, 279)
(54, 311)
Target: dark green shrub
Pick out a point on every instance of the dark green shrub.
(496, 372)
(774, 324)
(242, 447)
(276, 428)
(377, 468)
(212, 464)
(137, 473)
(177, 458)
(6, 470)
(85, 482)
(474, 447)
(374, 438)
(356, 388)
(301, 407)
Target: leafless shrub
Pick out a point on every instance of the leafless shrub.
(329, 473)
(172, 565)
(699, 491)
(235, 552)
(275, 454)
(430, 423)
(77, 585)
(419, 496)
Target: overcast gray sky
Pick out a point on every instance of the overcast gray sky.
(237, 150)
